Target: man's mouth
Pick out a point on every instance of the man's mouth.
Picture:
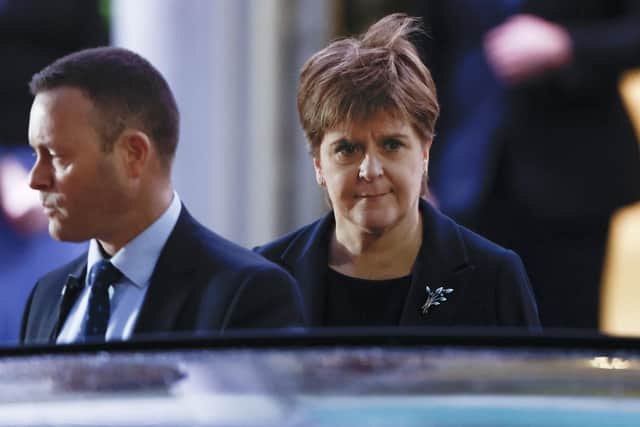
(49, 210)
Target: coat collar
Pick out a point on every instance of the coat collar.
(171, 280)
(441, 261)
(170, 283)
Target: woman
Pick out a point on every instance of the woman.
(384, 255)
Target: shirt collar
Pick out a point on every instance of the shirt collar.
(138, 258)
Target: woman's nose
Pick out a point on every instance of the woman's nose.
(370, 168)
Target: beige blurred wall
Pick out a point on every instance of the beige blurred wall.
(619, 312)
(630, 88)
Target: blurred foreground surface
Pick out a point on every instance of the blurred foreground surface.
(323, 385)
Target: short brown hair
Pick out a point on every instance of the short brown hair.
(126, 89)
(354, 78)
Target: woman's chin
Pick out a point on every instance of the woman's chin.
(375, 221)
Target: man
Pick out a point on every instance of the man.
(104, 128)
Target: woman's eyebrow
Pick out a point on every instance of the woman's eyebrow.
(399, 135)
(339, 140)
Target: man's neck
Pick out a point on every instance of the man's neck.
(143, 213)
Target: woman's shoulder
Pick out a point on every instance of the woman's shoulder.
(482, 251)
(295, 240)
(276, 247)
(479, 243)
(452, 233)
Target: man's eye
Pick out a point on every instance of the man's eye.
(58, 161)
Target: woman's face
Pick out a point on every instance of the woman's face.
(373, 171)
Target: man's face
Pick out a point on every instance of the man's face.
(81, 187)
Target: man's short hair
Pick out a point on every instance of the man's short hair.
(125, 88)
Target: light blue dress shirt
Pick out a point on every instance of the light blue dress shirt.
(136, 260)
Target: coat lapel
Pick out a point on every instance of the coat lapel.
(307, 258)
(172, 278)
(68, 294)
(442, 261)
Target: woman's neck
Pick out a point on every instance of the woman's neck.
(387, 254)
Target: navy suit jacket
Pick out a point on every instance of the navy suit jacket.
(491, 287)
(201, 283)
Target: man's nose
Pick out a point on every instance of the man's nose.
(39, 176)
(370, 168)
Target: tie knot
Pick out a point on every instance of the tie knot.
(103, 274)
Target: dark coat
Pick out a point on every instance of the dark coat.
(561, 145)
(201, 283)
(490, 284)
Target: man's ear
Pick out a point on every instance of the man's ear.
(135, 149)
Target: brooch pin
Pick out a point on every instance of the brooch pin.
(434, 298)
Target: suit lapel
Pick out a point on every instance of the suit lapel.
(67, 296)
(172, 278)
(307, 258)
(442, 261)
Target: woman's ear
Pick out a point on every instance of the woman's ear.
(426, 147)
(424, 185)
(319, 175)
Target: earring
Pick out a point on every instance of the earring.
(321, 181)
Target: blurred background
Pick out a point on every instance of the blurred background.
(242, 166)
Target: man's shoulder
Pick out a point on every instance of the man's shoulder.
(229, 282)
(48, 287)
(60, 274)
(218, 253)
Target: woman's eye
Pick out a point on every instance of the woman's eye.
(346, 148)
(392, 144)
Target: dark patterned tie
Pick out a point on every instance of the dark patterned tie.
(102, 275)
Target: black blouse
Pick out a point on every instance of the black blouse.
(360, 302)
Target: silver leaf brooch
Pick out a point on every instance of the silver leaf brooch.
(434, 298)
